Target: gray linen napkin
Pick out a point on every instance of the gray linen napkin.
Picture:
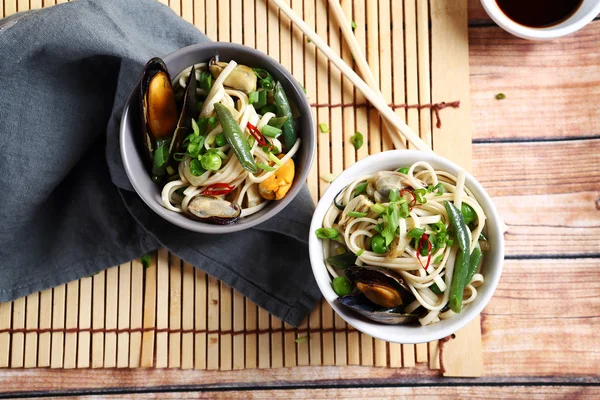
(67, 209)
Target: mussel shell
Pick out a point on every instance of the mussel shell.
(153, 67)
(214, 210)
(188, 111)
(376, 276)
(358, 303)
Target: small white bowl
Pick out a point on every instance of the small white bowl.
(491, 268)
(584, 15)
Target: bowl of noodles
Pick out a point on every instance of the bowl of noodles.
(217, 137)
(406, 246)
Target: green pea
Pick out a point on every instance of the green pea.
(211, 161)
(378, 244)
(341, 286)
(220, 140)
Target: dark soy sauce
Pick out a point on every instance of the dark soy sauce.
(538, 13)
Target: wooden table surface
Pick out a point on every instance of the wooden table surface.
(538, 154)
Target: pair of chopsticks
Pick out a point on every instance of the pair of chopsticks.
(369, 89)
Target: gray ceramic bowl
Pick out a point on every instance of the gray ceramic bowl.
(178, 61)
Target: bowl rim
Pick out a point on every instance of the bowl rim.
(201, 227)
(407, 334)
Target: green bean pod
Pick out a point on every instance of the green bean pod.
(457, 287)
(458, 223)
(474, 262)
(235, 138)
(284, 110)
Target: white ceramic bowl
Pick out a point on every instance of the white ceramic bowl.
(491, 268)
(584, 15)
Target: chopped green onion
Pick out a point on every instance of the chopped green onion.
(270, 131)
(277, 122)
(404, 211)
(324, 128)
(146, 259)
(262, 100)
(170, 170)
(403, 170)
(195, 128)
(378, 208)
(379, 227)
(212, 121)
(196, 167)
(439, 259)
(500, 96)
(262, 73)
(440, 189)
(420, 195)
(354, 26)
(178, 156)
(341, 286)
(327, 233)
(328, 177)
(161, 155)
(360, 252)
(251, 141)
(416, 233)
(265, 167)
(357, 140)
(301, 339)
(206, 81)
(253, 98)
(361, 187)
(276, 160)
(357, 214)
(265, 84)
(394, 195)
(435, 288)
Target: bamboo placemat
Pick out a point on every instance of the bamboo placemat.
(171, 315)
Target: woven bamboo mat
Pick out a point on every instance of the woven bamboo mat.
(171, 315)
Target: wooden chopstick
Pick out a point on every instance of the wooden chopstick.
(363, 66)
(369, 93)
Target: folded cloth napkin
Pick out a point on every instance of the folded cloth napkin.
(67, 209)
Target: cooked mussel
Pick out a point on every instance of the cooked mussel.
(384, 182)
(358, 303)
(382, 287)
(242, 77)
(214, 210)
(163, 127)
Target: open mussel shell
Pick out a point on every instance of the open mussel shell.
(161, 123)
(358, 303)
(214, 210)
(158, 109)
(381, 286)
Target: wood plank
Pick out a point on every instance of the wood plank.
(200, 320)
(433, 393)
(98, 320)
(112, 304)
(123, 319)
(174, 312)
(538, 168)
(148, 337)
(534, 225)
(5, 323)
(552, 93)
(137, 312)
(31, 323)
(187, 317)
(71, 322)
(524, 336)
(58, 323)
(18, 339)
(44, 345)
(85, 322)
(212, 349)
(162, 309)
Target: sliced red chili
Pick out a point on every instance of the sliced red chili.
(429, 248)
(217, 189)
(260, 139)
